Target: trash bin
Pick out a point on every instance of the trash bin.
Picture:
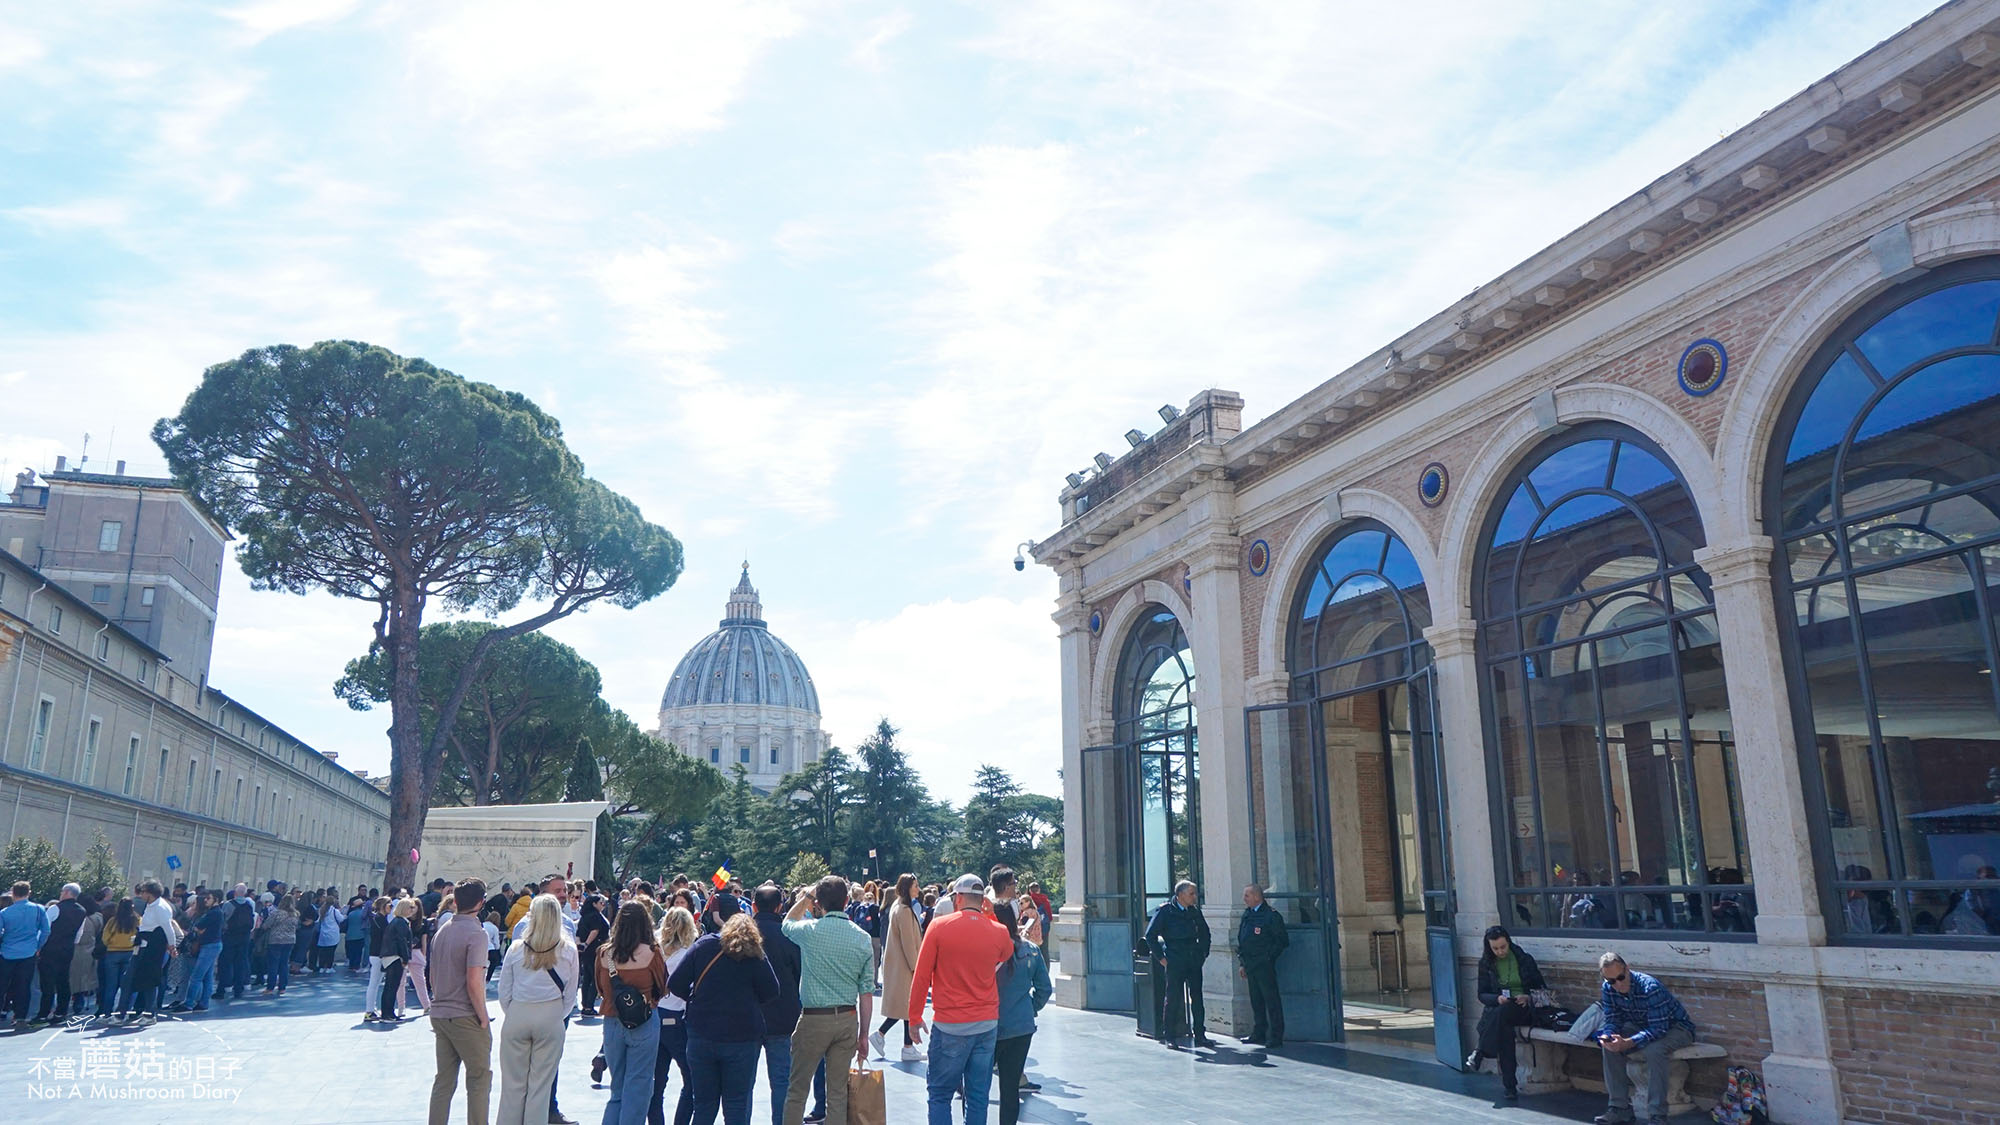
(1147, 996)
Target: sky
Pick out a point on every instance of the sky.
(840, 288)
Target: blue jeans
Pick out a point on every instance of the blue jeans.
(673, 1051)
(721, 1075)
(113, 970)
(278, 967)
(357, 954)
(960, 1061)
(778, 1070)
(201, 981)
(629, 1054)
(235, 970)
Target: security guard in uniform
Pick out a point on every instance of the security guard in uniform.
(1260, 938)
(1178, 938)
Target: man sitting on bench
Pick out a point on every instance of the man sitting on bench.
(1640, 1018)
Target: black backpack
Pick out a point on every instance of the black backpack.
(632, 1005)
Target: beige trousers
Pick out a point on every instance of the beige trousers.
(462, 1040)
(821, 1037)
(531, 1046)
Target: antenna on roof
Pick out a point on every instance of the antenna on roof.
(85, 459)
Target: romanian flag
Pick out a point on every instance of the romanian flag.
(721, 876)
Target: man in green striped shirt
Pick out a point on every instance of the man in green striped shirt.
(836, 991)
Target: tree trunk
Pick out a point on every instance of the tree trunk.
(409, 789)
(489, 779)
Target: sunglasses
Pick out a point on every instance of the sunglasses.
(1621, 978)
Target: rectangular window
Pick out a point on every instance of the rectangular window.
(715, 754)
(187, 798)
(145, 595)
(145, 671)
(236, 802)
(108, 533)
(38, 743)
(215, 793)
(256, 807)
(90, 738)
(55, 620)
(743, 754)
(100, 594)
(104, 647)
(774, 755)
(131, 767)
(160, 778)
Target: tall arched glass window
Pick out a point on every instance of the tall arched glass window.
(1609, 717)
(1155, 709)
(1884, 497)
(1360, 615)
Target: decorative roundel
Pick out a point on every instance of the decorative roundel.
(1096, 622)
(1187, 580)
(1433, 484)
(1702, 367)
(1260, 558)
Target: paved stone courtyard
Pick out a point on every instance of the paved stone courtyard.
(309, 1059)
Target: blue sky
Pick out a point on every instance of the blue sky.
(844, 288)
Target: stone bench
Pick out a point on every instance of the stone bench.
(1542, 1065)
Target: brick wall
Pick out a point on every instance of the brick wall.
(1915, 1057)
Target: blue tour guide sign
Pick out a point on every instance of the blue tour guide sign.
(173, 863)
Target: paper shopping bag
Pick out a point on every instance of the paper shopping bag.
(867, 1103)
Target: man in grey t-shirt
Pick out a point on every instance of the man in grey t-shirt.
(458, 1009)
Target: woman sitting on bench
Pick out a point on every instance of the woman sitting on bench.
(1507, 974)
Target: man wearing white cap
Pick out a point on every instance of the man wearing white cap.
(955, 970)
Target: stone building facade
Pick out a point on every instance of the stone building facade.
(1643, 599)
(742, 697)
(108, 595)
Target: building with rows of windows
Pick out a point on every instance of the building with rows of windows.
(108, 595)
(1644, 599)
(742, 697)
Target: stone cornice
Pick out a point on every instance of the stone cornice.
(1158, 491)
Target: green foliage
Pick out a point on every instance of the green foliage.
(887, 802)
(347, 468)
(585, 782)
(35, 860)
(806, 870)
(529, 701)
(1002, 824)
(99, 868)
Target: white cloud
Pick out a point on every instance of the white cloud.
(659, 290)
(77, 214)
(527, 77)
(270, 17)
(867, 54)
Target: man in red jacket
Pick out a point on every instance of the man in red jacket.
(955, 970)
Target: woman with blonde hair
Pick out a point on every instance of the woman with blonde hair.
(726, 982)
(677, 934)
(397, 945)
(538, 983)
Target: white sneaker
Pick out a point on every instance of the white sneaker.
(875, 1041)
(913, 1054)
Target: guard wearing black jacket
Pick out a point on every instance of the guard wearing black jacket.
(1260, 938)
(1178, 939)
(1507, 974)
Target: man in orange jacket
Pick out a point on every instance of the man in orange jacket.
(955, 970)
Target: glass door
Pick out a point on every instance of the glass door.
(1110, 929)
(1289, 858)
(1433, 816)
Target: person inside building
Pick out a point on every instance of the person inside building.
(1641, 1019)
(1260, 939)
(1507, 975)
(1178, 939)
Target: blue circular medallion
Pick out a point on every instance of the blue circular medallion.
(1433, 484)
(1702, 367)
(1259, 557)
(1096, 622)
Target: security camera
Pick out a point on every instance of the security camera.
(1020, 555)
(1020, 563)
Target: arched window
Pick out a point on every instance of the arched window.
(1884, 497)
(1155, 692)
(1361, 616)
(1610, 723)
(1155, 709)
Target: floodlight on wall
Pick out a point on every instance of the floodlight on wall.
(1169, 412)
(1075, 480)
(1135, 438)
(1103, 461)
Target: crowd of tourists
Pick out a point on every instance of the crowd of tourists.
(687, 985)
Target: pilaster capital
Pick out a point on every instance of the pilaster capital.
(1450, 639)
(1098, 732)
(1734, 564)
(1272, 687)
(1216, 551)
(1072, 613)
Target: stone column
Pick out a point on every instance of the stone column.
(1216, 633)
(1799, 1078)
(1072, 618)
(1468, 793)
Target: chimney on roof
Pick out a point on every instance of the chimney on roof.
(62, 463)
(121, 468)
